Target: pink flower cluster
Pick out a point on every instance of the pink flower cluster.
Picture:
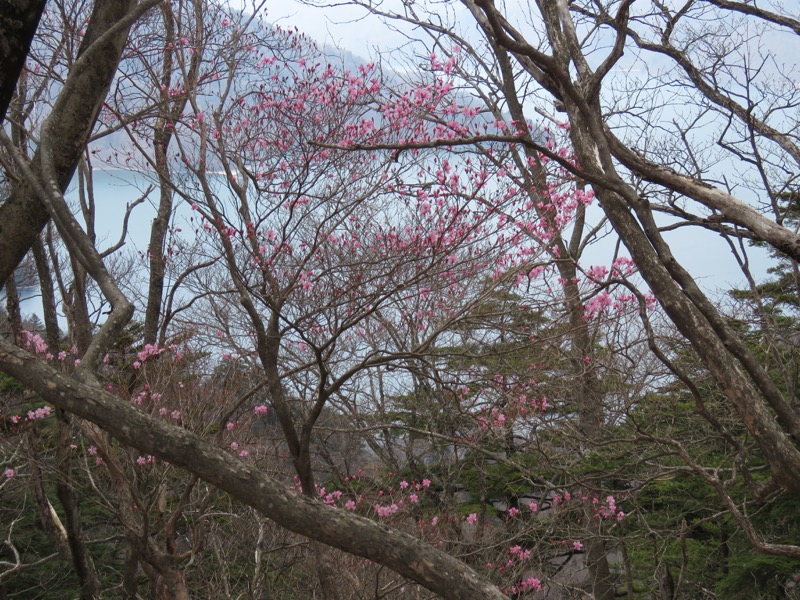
(329, 498)
(597, 304)
(386, 511)
(531, 583)
(408, 493)
(519, 555)
(148, 352)
(520, 552)
(92, 451)
(597, 272)
(33, 415)
(608, 510)
(40, 413)
(35, 343)
(623, 266)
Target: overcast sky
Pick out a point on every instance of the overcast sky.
(346, 26)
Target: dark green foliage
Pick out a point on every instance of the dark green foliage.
(9, 385)
(754, 576)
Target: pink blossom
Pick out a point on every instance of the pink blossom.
(609, 509)
(385, 511)
(597, 304)
(40, 413)
(623, 266)
(533, 583)
(426, 483)
(261, 409)
(576, 545)
(350, 505)
(521, 553)
(597, 272)
(35, 342)
(149, 351)
(9, 473)
(403, 484)
(584, 197)
(472, 518)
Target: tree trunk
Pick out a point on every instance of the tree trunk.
(754, 397)
(19, 20)
(408, 556)
(168, 115)
(587, 394)
(22, 215)
(12, 309)
(81, 559)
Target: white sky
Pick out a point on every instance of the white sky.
(344, 26)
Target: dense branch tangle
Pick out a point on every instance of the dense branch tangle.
(359, 244)
(597, 152)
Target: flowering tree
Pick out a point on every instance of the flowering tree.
(556, 68)
(694, 315)
(320, 264)
(646, 161)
